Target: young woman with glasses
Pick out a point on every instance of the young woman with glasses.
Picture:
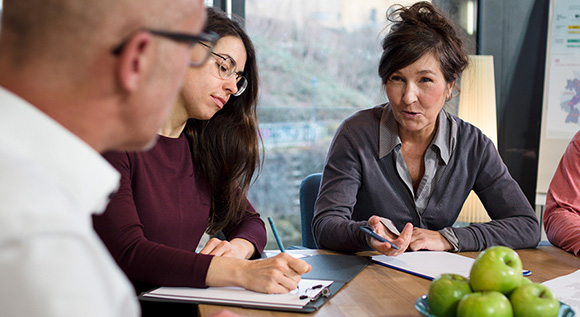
(195, 180)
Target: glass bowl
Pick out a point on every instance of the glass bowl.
(422, 306)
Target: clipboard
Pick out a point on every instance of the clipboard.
(338, 269)
(310, 291)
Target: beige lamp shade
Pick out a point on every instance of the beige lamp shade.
(477, 106)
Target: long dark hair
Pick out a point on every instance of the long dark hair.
(416, 31)
(227, 147)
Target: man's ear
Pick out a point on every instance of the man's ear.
(134, 60)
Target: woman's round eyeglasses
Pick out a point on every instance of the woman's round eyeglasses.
(227, 68)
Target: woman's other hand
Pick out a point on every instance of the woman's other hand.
(424, 239)
(237, 248)
(402, 241)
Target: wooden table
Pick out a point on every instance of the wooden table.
(382, 291)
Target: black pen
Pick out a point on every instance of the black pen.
(368, 230)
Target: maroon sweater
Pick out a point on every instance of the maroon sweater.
(154, 223)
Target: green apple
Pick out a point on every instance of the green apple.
(481, 304)
(497, 268)
(534, 299)
(525, 281)
(445, 291)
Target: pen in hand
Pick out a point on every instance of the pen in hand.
(276, 235)
(369, 231)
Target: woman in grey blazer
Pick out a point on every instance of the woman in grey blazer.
(406, 167)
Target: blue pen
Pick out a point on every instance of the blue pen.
(368, 230)
(276, 235)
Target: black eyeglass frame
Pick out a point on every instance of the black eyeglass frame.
(190, 39)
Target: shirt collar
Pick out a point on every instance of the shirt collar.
(445, 137)
(80, 170)
(388, 132)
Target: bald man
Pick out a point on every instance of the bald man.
(78, 78)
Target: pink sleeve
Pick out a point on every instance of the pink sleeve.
(562, 212)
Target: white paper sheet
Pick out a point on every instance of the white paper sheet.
(298, 254)
(428, 264)
(567, 289)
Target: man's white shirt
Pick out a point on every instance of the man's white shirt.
(52, 263)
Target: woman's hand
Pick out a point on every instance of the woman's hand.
(237, 248)
(424, 239)
(402, 241)
(275, 275)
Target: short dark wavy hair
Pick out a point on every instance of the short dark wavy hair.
(416, 31)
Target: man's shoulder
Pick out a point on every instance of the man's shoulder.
(53, 247)
(28, 195)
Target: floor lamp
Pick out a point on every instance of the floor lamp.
(477, 106)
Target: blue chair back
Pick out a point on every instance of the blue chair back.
(308, 192)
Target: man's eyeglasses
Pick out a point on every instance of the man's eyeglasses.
(227, 69)
(199, 54)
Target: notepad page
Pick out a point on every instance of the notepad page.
(428, 264)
